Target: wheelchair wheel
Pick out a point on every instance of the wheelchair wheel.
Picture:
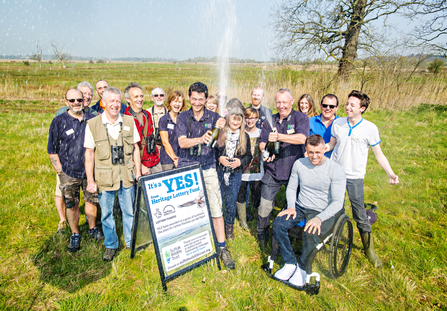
(341, 246)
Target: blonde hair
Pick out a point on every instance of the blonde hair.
(242, 145)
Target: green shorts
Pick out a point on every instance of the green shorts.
(70, 188)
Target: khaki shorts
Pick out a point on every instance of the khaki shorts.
(58, 192)
(213, 192)
(156, 168)
(70, 188)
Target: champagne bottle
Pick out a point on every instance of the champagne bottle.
(214, 136)
(272, 148)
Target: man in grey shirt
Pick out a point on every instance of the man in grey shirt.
(322, 187)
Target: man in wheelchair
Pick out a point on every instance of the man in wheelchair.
(322, 187)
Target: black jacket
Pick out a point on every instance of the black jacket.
(245, 158)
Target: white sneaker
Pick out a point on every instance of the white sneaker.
(298, 278)
(285, 272)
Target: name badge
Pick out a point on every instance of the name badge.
(171, 126)
(69, 132)
(290, 131)
(126, 128)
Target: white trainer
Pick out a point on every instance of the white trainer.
(285, 272)
(298, 278)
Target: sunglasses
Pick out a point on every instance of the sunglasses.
(330, 106)
(157, 95)
(79, 100)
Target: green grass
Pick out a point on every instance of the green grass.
(37, 272)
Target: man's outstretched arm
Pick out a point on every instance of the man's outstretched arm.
(383, 162)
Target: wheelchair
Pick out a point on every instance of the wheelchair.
(337, 243)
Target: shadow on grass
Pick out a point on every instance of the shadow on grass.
(72, 271)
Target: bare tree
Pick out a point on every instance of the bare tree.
(434, 26)
(59, 53)
(336, 28)
(37, 54)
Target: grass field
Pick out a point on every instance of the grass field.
(38, 273)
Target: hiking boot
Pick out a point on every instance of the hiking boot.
(225, 257)
(75, 243)
(109, 254)
(229, 232)
(368, 248)
(61, 226)
(96, 233)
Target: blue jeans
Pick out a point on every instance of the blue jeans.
(281, 227)
(126, 197)
(357, 198)
(229, 194)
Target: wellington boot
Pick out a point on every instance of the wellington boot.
(229, 232)
(242, 212)
(368, 248)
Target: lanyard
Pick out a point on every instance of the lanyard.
(119, 134)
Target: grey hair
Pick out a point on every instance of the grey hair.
(284, 90)
(131, 85)
(85, 84)
(157, 89)
(112, 90)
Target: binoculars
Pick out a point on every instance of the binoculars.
(157, 136)
(196, 150)
(117, 154)
(150, 144)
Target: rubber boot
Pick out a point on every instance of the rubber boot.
(242, 212)
(229, 232)
(368, 248)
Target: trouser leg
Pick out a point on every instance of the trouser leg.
(356, 196)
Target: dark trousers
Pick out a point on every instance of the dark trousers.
(357, 198)
(281, 227)
(255, 189)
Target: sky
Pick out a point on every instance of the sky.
(109, 29)
(140, 28)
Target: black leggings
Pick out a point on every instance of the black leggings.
(255, 189)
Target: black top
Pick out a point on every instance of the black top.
(66, 139)
(245, 158)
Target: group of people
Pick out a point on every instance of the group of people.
(104, 149)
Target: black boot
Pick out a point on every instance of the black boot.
(368, 248)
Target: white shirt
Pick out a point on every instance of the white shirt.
(351, 150)
(112, 128)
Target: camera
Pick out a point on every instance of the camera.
(117, 154)
(196, 150)
(150, 144)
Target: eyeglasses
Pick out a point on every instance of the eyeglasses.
(250, 119)
(330, 106)
(157, 95)
(80, 100)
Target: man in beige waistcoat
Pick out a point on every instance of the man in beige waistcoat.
(112, 165)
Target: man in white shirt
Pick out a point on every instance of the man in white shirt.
(351, 138)
(112, 153)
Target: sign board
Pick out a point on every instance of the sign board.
(179, 219)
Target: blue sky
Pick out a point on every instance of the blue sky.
(165, 29)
